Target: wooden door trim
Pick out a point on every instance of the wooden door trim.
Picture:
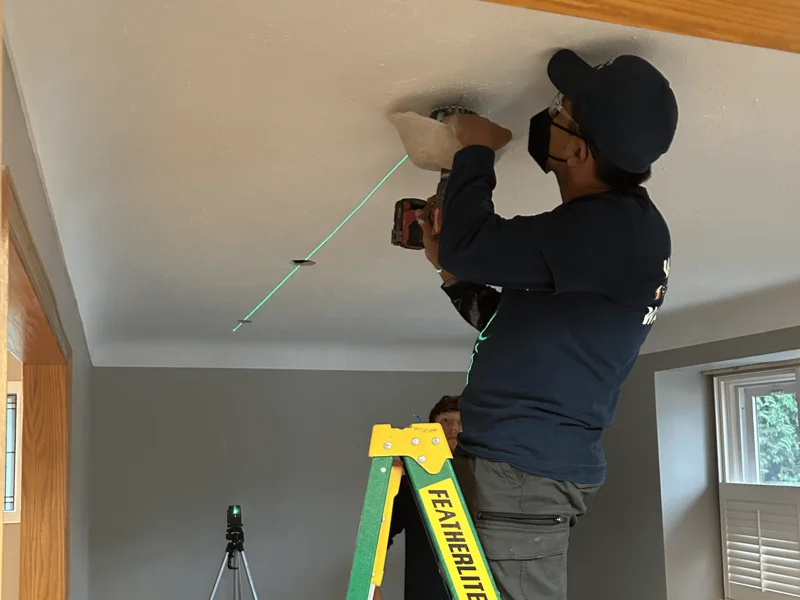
(4, 293)
(35, 335)
(44, 517)
(28, 276)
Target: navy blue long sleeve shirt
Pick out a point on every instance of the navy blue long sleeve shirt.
(581, 288)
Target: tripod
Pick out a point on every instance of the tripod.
(233, 552)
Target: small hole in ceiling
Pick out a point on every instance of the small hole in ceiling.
(303, 262)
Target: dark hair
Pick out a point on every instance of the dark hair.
(612, 175)
(446, 404)
(606, 170)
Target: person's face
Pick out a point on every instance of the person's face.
(451, 423)
(563, 144)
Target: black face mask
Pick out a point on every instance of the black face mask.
(539, 139)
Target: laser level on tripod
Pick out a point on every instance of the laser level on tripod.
(426, 460)
(235, 556)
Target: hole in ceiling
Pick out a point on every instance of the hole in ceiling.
(303, 262)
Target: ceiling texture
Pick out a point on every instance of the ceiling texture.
(192, 148)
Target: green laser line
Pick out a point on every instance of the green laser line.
(325, 241)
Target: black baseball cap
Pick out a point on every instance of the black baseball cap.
(625, 106)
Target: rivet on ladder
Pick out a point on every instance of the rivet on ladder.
(436, 441)
(414, 441)
(387, 445)
(421, 459)
(383, 469)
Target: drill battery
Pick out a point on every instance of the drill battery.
(406, 232)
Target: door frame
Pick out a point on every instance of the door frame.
(36, 336)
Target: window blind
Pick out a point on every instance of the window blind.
(761, 538)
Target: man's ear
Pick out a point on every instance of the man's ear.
(578, 151)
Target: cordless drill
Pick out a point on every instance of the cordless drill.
(406, 232)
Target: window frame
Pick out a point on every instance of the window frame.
(15, 516)
(737, 451)
(735, 391)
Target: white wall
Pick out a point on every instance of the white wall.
(19, 156)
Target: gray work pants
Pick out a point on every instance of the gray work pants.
(523, 522)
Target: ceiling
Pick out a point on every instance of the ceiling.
(192, 148)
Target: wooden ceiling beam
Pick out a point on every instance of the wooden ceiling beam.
(769, 24)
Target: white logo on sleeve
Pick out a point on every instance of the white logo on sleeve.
(658, 296)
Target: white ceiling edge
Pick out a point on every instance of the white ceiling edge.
(767, 310)
(312, 357)
(748, 315)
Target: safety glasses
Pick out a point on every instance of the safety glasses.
(557, 108)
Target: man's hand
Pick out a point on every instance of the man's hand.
(474, 130)
(431, 245)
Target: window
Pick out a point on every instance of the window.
(758, 429)
(11, 486)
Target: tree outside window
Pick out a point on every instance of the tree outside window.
(778, 439)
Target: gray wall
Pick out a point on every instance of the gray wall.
(19, 156)
(171, 448)
(174, 447)
(653, 529)
(689, 498)
(617, 550)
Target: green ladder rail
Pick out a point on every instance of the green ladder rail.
(425, 458)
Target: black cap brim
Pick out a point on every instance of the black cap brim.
(569, 72)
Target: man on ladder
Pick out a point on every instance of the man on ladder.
(581, 287)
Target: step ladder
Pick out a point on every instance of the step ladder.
(426, 460)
